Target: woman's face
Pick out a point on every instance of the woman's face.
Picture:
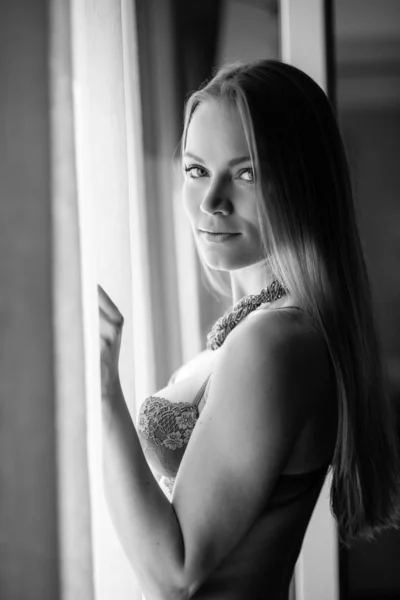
(218, 190)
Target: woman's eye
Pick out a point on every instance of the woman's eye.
(246, 174)
(195, 172)
(198, 172)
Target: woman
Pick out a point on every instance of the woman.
(291, 383)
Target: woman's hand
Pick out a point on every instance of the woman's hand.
(111, 324)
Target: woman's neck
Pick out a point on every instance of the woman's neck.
(250, 280)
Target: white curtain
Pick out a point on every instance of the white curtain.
(114, 226)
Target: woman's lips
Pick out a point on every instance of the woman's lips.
(218, 237)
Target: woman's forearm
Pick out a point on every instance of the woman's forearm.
(144, 519)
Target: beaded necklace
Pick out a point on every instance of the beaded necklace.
(224, 325)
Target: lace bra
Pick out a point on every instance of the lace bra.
(164, 429)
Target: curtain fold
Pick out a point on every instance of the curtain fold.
(177, 45)
(74, 525)
(160, 131)
(113, 216)
(45, 532)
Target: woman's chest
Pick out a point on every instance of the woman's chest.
(166, 419)
(190, 379)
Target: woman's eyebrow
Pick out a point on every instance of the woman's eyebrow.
(232, 163)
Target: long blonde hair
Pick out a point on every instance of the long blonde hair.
(310, 235)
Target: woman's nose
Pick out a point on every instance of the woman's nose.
(217, 199)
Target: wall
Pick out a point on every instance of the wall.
(28, 531)
(368, 86)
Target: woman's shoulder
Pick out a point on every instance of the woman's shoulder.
(282, 326)
(285, 354)
(286, 340)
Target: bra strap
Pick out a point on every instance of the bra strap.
(201, 391)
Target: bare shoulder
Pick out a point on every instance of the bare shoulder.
(279, 330)
(287, 342)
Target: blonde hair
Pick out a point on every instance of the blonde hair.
(310, 236)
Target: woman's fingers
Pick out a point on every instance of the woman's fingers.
(109, 330)
(108, 308)
(111, 322)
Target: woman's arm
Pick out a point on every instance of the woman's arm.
(260, 397)
(143, 517)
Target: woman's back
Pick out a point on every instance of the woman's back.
(261, 566)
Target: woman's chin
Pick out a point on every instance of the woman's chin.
(228, 265)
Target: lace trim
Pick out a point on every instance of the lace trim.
(164, 429)
(167, 423)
